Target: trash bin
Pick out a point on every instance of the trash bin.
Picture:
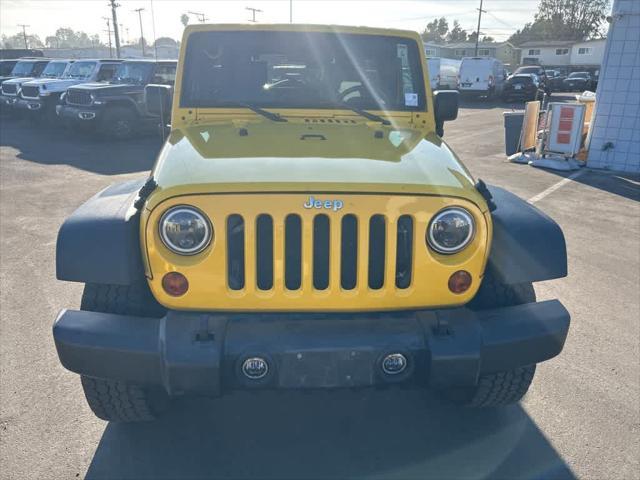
(512, 127)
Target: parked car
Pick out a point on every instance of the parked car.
(116, 109)
(40, 97)
(24, 70)
(290, 238)
(555, 80)
(541, 74)
(481, 77)
(522, 86)
(578, 82)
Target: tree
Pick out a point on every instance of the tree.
(457, 34)
(436, 30)
(564, 20)
(472, 37)
(69, 38)
(184, 19)
(488, 39)
(17, 41)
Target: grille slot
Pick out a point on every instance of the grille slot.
(30, 92)
(264, 252)
(293, 252)
(235, 252)
(78, 97)
(349, 252)
(404, 252)
(321, 241)
(9, 89)
(377, 246)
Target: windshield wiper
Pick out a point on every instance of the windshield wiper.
(365, 114)
(276, 117)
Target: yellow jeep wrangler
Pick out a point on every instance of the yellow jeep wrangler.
(305, 226)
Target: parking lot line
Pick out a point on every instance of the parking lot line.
(555, 186)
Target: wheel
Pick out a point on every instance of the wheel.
(495, 294)
(114, 400)
(118, 123)
(500, 388)
(117, 401)
(494, 389)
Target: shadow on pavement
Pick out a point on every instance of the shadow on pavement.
(392, 433)
(626, 185)
(57, 146)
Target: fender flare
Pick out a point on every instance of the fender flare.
(527, 246)
(99, 242)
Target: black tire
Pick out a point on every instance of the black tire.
(118, 123)
(114, 400)
(494, 389)
(117, 401)
(495, 294)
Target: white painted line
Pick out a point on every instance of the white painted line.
(555, 187)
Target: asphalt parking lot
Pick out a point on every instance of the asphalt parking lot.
(581, 418)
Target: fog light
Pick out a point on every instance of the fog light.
(394, 363)
(460, 281)
(175, 284)
(255, 368)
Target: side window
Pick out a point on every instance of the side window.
(164, 74)
(106, 72)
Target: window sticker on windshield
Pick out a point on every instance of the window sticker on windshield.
(411, 99)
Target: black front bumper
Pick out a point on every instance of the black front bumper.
(88, 115)
(203, 353)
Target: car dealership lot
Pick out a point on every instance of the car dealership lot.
(581, 418)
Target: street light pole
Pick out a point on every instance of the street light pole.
(114, 5)
(140, 10)
(478, 30)
(24, 35)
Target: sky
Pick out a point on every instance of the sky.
(503, 17)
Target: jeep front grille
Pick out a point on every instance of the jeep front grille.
(9, 89)
(346, 252)
(30, 92)
(78, 97)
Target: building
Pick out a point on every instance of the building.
(433, 49)
(505, 51)
(615, 135)
(564, 54)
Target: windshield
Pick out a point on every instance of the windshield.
(579, 75)
(6, 68)
(522, 80)
(136, 73)
(302, 70)
(23, 69)
(54, 69)
(536, 70)
(81, 70)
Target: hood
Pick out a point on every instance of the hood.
(18, 81)
(300, 157)
(2, 79)
(110, 88)
(54, 84)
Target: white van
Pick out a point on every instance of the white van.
(449, 71)
(433, 65)
(481, 76)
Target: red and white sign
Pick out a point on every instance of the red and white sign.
(565, 129)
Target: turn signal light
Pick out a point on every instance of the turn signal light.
(175, 284)
(460, 281)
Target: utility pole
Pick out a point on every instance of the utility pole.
(140, 10)
(24, 35)
(253, 12)
(108, 30)
(480, 11)
(114, 5)
(201, 17)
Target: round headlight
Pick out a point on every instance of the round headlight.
(185, 230)
(450, 230)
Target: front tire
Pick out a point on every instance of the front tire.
(114, 400)
(118, 123)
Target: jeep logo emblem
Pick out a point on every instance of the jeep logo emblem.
(334, 205)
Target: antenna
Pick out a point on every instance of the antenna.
(253, 12)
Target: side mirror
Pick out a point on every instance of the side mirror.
(158, 100)
(445, 105)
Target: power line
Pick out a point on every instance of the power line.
(108, 30)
